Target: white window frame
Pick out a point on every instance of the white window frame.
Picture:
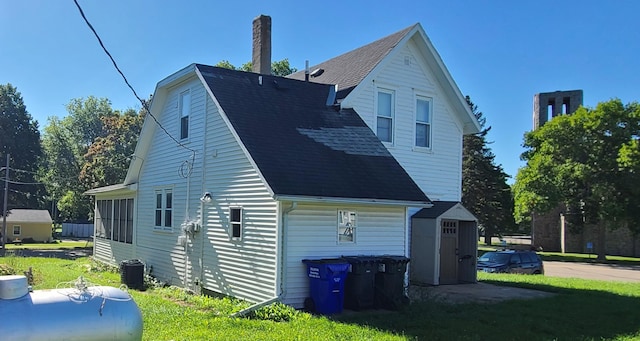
(391, 118)
(236, 222)
(184, 109)
(19, 230)
(164, 209)
(428, 123)
(347, 226)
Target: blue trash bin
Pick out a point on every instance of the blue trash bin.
(326, 285)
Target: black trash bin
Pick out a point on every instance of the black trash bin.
(326, 285)
(132, 273)
(389, 285)
(359, 290)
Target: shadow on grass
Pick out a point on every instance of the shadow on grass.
(573, 314)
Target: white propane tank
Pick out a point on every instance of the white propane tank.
(87, 313)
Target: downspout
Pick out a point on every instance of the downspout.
(283, 245)
(283, 268)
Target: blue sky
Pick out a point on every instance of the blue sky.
(499, 52)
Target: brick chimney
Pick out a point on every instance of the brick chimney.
(261, 61)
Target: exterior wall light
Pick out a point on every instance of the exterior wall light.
(206, 198)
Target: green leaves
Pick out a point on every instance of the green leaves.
(588, 160)
(485, 191)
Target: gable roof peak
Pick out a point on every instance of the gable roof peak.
(349, 69)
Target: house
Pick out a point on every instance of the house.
(245, 174)
(26, 224)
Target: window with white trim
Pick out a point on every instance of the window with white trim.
(385, 115)
(164, 209)
(235, 222)
(347, 223)
(423, 121)
(185, 109)
(17, 230)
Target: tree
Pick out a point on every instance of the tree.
(108, 157)
(588, 162)
(19, 137)
(485, 191)
(65, 143)
(278, 68)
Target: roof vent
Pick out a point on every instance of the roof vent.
(316, 73)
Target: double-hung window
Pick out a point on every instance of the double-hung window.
(347, 223)
(185, 108)
(385, 115)
(235, 222)
(423, 122)
(164, 209)
(17, 230)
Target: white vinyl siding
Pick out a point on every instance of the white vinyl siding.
(310, 234)
(436, 170)
(243, 267)
(166, 166)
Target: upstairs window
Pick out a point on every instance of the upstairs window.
(423, 122)
(164, 209)
(385, 115)
(185, 109)
(347, 223)
(235, 222)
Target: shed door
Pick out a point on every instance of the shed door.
(449, 252)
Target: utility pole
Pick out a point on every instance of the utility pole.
(4, 209)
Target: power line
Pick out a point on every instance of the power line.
(144, 105)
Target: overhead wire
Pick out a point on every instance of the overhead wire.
(193, 152)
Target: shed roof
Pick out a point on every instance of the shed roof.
(302, 144)
(28, 216)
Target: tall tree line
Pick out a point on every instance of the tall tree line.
(485, 191)
(90, 147)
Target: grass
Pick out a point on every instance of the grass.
(581, 310)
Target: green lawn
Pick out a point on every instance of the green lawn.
(581, 310)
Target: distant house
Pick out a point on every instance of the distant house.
(24, 224)
(266, 171)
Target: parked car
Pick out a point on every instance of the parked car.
(511, 261)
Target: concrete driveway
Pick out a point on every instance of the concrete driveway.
(605, 272)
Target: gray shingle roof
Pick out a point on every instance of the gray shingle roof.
(303, 147)
(28, 216)
(349, 69)
(439, 208)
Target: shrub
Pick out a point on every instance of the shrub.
(277, 312)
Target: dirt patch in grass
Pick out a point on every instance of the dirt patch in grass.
(51, 253)
(472, 293)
